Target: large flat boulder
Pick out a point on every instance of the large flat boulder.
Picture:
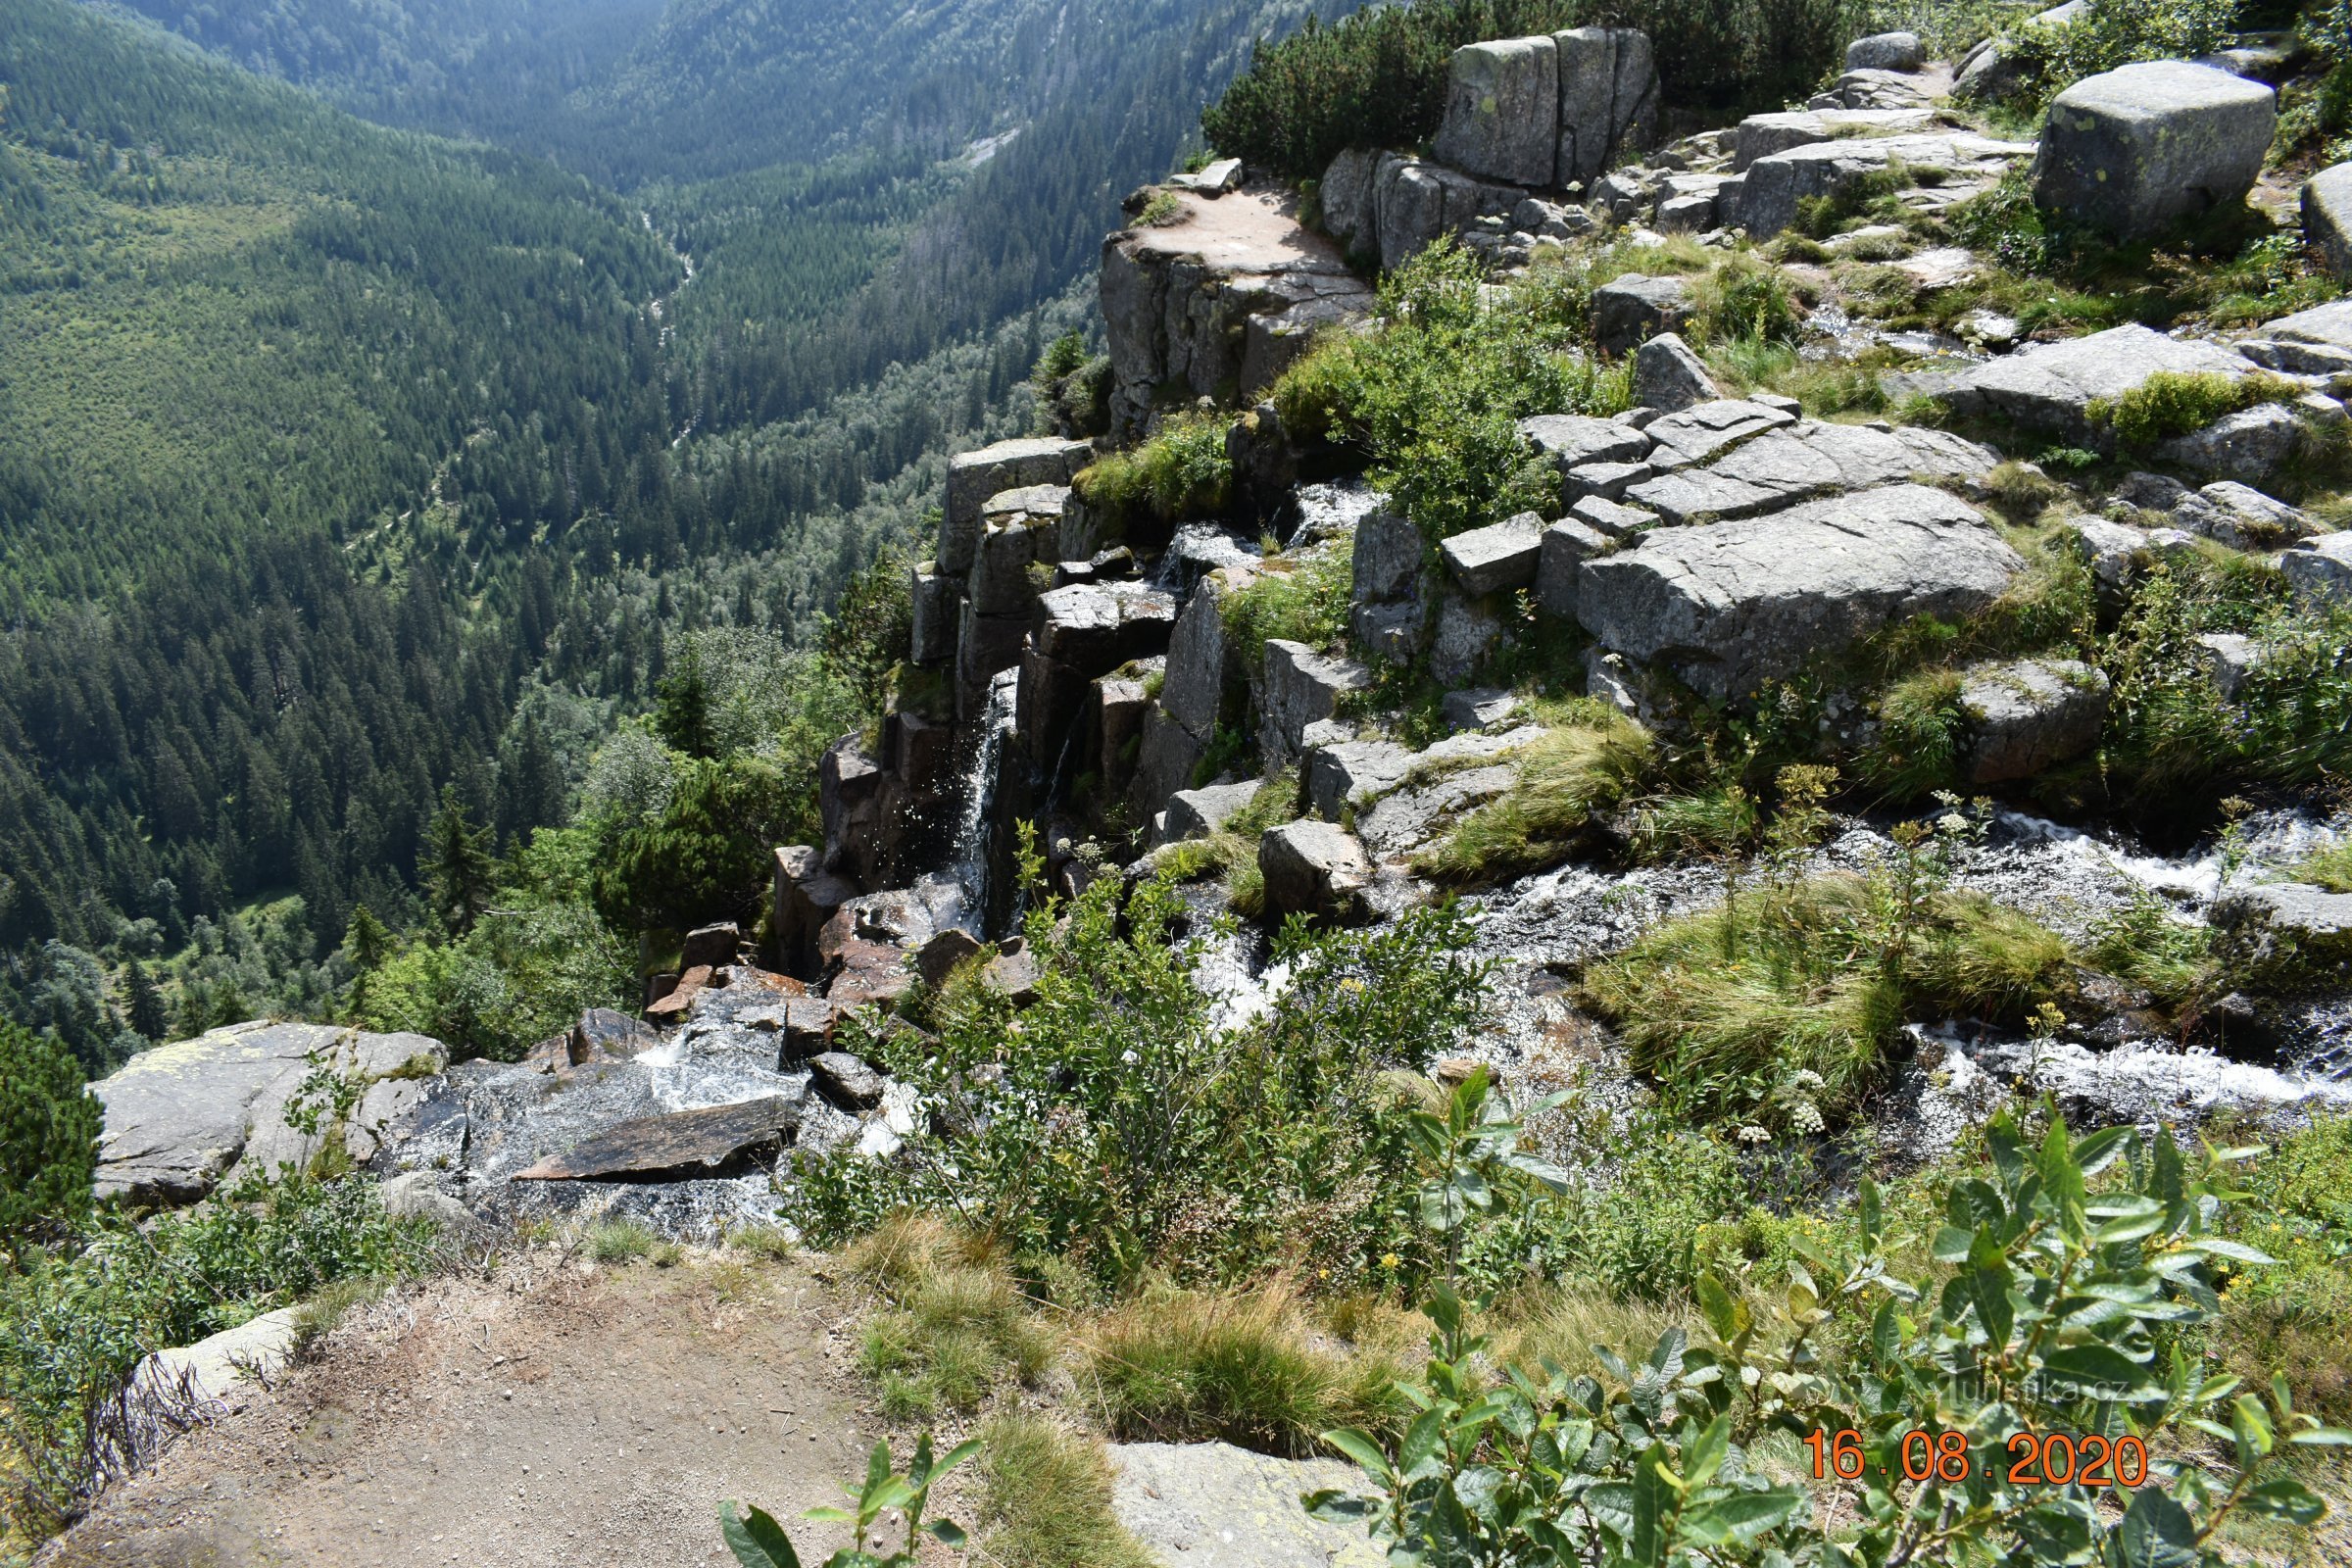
(1811, 458)
(2134, 151)
(1495, 558)
(1630, 309)
(2327, 218)
(1416, 203)
(1315, 868)
(1731, 604)
(1302, 687)
(1762, 135)
(1096, 627)
(1501, 118)
(682, 1145)
(181, 1118)
(2050, 388)
(1778, 182)
(1213, 1505)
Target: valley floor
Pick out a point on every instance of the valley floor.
(552, 1414)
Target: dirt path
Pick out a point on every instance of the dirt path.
(577, 1417)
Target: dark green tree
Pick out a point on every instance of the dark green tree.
(459, 871)
(869, 632)
(49, 1126)
(709, 858)
(682, 714)
(145, 1001)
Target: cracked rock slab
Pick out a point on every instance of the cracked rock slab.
(1782, 468)
(2050, 388)
(1731, 604)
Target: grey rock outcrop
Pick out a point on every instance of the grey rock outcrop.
(1762, 135)
(2327, 218)
(1467, 633)
(2242, 517)
(1314, 868)
(1610, 100)
(2050, 388)
(1353, 773)
(1197, 813)
(2320, 572)
(937, 602)
(2138, 149)
(1501, 118)
(1212, 1506)
(1221, 298)
(1567, 545)
(1778, 182)
(973, 477)
(1300, 687)
(2251, 444)
(1779, 468)
(1887, 51)
(2026, 719)
(1733, 603)
(1669, 377)
(1495, 558)
(2280, 920)
(1630, 309)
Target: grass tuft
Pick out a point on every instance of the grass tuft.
(1045, 1499)
(1575, 770)
(958, 1327)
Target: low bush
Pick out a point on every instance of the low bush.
(1433, 395)
(2173, 403)
(1591, 763)
(75, 1326)
(1242, 1368)
(1300, 600)
(1181, 472)
(2052, 57)
(2295, 1319)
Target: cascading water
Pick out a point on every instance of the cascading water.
(974, 852)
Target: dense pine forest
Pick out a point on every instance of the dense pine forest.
(350, 473)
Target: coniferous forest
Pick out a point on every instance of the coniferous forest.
(386, 391)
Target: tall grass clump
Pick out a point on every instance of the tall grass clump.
(1181, 472)
(1045, 1499)
(1433, 395)
(957, 1327)
(1586, 765)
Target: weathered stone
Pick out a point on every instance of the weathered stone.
(2242, 517)
(180, 1116)
(218, 1370)
(936, 600)
(2050, 388)
(1502, 111)
(2026, 719)
(1395, 633)
(1609, 518)
(1212, 1506)
(1351, 216)
(1468, 633)
(1705, 432)
(1567, 545)
(846, 1080)
(1198, 814)
(2327, 218)
(850, 788)
(1387, 555)
(1947, 266)
(1301, 686)
(2115, 553)
(419, 1195)
(2251, 444)
(1545, 220)
(1811, 458)
(1762, 135)
(1572, 441)
(1887, 51)
(2281, 920)
(1170, 756)
(604, 1033)
(1609, 481)
(1096, 627)
(1480, 709)
(974, 476)
(1313, 868)
(1630, 309)
(940, 956)
(1778, 182)
(2319, 570)
(1669, 377)
(806, 897)
(985, 648)
(1734, 604)
(1204, 666)
(2138, 149)
(680, 1000)
(1011, 542)
(713, 946)
(1420, 203)
(1495, 558)
(1217, 179)
(682, 1145)
(1608, 100)
(1219, 300)
(1353, 773)
(809, 1023)
(2231, 660)
(1879, 89)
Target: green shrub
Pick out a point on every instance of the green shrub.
(1434, 393)
(49, 1126)
(1182, 471)
(1572, 773)
(1377, 79)
(1304, 599)
(1922, 727)
(712, 853)
(2295, 1319)
(73, 1328)
(2117, 32)
(2175, 402)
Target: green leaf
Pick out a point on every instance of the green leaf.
(2285, 1497)
(962, 1453)
(1655, 1499)
(2157, 1532)
(2323, 1438)
(1369, 1455)
(2096, 1365)
(756, 1539)
(1742, 1518)
(1726, 1315)
(1873, 1209)
(877, 1467)
(946, 1532)
(2216, 1246)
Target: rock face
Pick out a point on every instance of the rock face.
(973, 477)
(1502, 111)
(1887, 51)
(1630, 309)
(1733, 603)
(1608, 101)
(2277, 920)
(1197, 813)
(1302, 687)
(1780, 467)
(2050, 388)
(2328, 217)
(1762, 135)
(180, 1116)
(2251, 444)
(1212, 1506)
(1498, 559)
(1669, 377)
(219, 1368)
(2026, 719)
(1313, 868)
(684, 1145)
(1778, 182)
(1220, 299)
(2138, 149)
(2321, 572)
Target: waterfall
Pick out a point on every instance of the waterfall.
(973, 853)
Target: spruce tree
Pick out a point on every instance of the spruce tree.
(145, 1001)
(49, 1126)
(458, 868)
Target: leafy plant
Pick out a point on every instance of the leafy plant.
(2061, 1280)
(758, 1542)
(2175, 402)
(1182, 471)
(1565, 780)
